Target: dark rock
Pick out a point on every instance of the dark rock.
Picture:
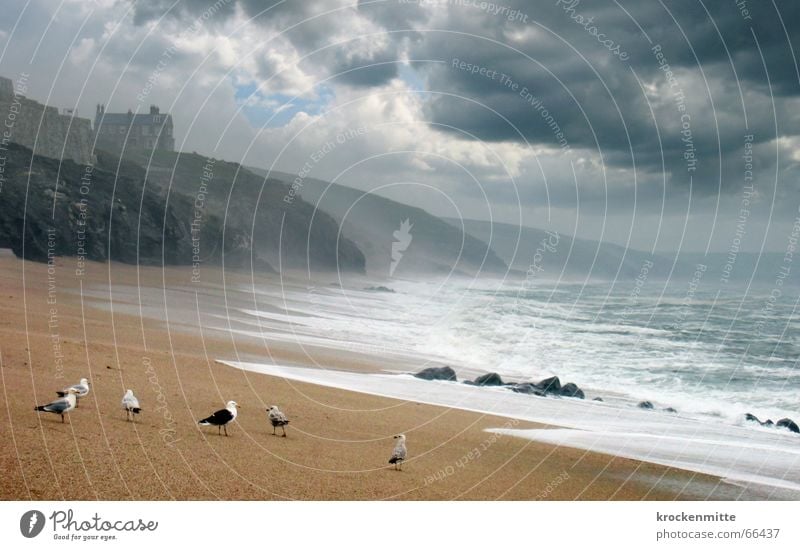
(788, 424)
(489, 379)
(670, 410)
(571, 390)
(527, 388)
(437, 373)
(752, 418)
(550, 385)
(598, 399)
(380, 288)
(645, 405)
(767, 423)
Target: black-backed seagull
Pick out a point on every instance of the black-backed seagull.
(221, 418)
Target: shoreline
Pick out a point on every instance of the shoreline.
(338, 440)
(586, 425)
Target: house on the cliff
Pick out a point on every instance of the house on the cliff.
(133, 131)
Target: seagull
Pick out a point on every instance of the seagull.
(62, 405)
(81, 390)
(399, 452)
(221, 418)
(131, 405)
(277, 418)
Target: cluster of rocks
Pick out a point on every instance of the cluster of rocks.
(548, 386)
(648, 406)
(787, 423)
(552, 386)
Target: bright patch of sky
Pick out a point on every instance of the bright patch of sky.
(277, 110)
(410, 76)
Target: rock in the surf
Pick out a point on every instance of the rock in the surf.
(645, 405)
(571, 390)
(527, 388)
(489, 379)
(550, 385)
(437, 373)
(752, 418)
(789, 424)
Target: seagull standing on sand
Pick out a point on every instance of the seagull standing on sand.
(131, 405)
(81, 390)
(221, 418)
(277, 418)
(399, 453)
(62, 405)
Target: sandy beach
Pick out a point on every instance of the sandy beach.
(338, 443)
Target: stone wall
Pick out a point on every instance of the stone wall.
(6, 87)
(30, 123)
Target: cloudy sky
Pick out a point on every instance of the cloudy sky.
(628, 121)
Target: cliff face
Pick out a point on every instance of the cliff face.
(286, 233)
(41, 128)
(113, 210)
(88, 212)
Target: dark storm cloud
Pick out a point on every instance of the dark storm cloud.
(150, 10)
(563, 79)
(364, 72)
(395, 16)
(719, 32)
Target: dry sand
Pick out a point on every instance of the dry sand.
(338, 441)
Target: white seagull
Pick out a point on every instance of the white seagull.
(399, 452)
(221, 418)
(131, 405)
(62, 405)
(277, 418)
(81, 390)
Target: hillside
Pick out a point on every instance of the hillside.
(254, 208)
(374, 223)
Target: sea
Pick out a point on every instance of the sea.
(711, 353)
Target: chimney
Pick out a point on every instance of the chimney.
(153, 110)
